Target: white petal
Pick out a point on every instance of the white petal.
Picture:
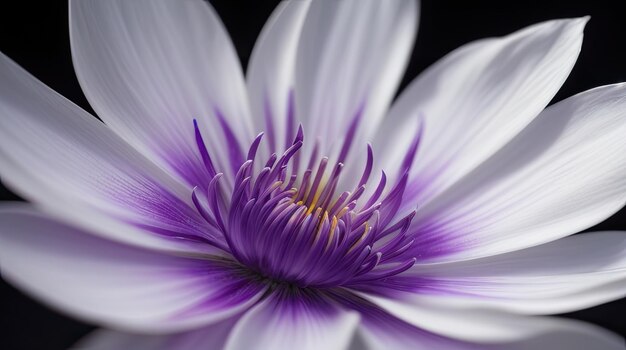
(293, 322)
(57, 155)
(565, 172)
(561, 276)
(271, 74)
(115, 285)
(498, 330)
(212, 337)
(150, 67)
(475, 100)
(350, 60)
(561, 334)
(372, 338)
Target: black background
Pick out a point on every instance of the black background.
(35, 34)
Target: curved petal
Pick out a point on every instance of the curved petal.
(379, 330)
(52, 152)
(400, 336)
(150, 67)
(290, 320)
(271, 73)
(561, 276)
(481, 329)
(350, 60)
(562, 334)
(212, 337)
(565, 172)
(474, 101)
(115, 285)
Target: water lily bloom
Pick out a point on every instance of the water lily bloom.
(298, 207)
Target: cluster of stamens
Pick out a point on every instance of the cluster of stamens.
(295, 229)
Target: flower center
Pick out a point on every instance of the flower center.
(294, 228)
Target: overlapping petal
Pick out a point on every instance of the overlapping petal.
(150, 67)
(561, 276)
(474, 101)
(473, 328)
(294, 319)
(58, 156)
(116, 285)
(209, 338)
(350, 60)
(495, 178)
(271, 74)
(565, 172)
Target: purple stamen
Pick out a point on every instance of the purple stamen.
(294, 229)
(352, 128)
(409, 157)
(204, 153)
(291, 118)
(234, 148)
(368, 166)
(254, 147)
(269, 124)
(204, 212)
(378, 191)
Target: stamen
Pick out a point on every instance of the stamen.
(204, 212)
(378, 191)
(204, 153)
(352, 128)
(269, 122)
(294, 228)
(384, 273)
(409, 157)
(368, 167)
(254, 147)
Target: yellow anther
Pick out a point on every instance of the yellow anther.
(319, 223)
(362, 238)
(317, 195)
(342, 212)
(331, 234)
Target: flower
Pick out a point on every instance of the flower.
(209, 211)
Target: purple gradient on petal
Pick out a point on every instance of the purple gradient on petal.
(387, 326)
(206, 158)
(235, 153)
(188, 166)
(409, 157)
(368, 167)
(228, 284)
(434, 238)
(269, 123)
(294, 304)
(350, 132)
(291, 119)
(151, 207)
